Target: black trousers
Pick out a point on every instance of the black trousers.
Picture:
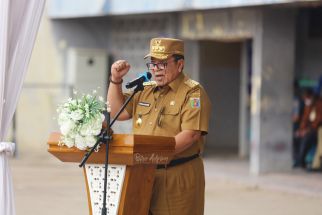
(305, 143)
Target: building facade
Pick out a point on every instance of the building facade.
(246, 54)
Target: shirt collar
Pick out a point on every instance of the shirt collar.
(175, 84)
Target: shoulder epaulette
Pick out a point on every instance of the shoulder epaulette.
(150, 83)
(191, 83)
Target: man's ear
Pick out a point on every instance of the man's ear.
(180, 65)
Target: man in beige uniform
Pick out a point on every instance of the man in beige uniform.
(172, 105)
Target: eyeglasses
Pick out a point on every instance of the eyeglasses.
(161, 65)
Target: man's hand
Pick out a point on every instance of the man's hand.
(119, 69)
(185, 139)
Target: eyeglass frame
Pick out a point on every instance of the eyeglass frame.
(157, 65)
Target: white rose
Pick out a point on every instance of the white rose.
(93, 130)
(72, 133)
(80, 142)
(76, 115)
(97, 126)
(66, 127)
(69, 142)
(90, 140)
(96, 130)
(62, 118)
(83, 131)
(86, 130)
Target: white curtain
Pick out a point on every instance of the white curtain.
(19, 22)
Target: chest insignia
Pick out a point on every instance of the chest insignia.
(138, 122)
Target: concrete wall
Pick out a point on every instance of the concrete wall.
(272, 92)
(221, 25)
(220, 75)
(308, 49)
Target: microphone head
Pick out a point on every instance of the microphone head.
(147, 76)
(143, 77)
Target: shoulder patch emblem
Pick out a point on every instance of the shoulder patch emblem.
(150, 83)
(195, 102)
(191, 83)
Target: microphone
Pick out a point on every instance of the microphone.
(146, 76)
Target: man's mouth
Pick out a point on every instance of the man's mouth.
(158, 77)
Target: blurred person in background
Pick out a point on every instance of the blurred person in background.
(306, 135)
(297, 113)
(317, 162)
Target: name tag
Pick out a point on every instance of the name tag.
(145, 104)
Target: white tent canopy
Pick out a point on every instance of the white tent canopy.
(19, 22)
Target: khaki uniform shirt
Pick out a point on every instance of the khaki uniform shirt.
(166, 111)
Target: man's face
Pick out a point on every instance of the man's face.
(308, 99)
(166, 70)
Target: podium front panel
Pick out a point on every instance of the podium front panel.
(132, 163)
(95, 184)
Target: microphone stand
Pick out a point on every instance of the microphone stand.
(105, 137)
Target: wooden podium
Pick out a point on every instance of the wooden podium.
(132, 163)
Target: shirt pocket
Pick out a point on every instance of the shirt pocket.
(143, 110)
(170, 120)
(173, 111)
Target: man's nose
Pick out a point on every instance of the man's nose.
(156, 69)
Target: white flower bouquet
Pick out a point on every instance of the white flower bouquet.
(80, 121)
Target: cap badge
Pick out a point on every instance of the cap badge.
(156, 47)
